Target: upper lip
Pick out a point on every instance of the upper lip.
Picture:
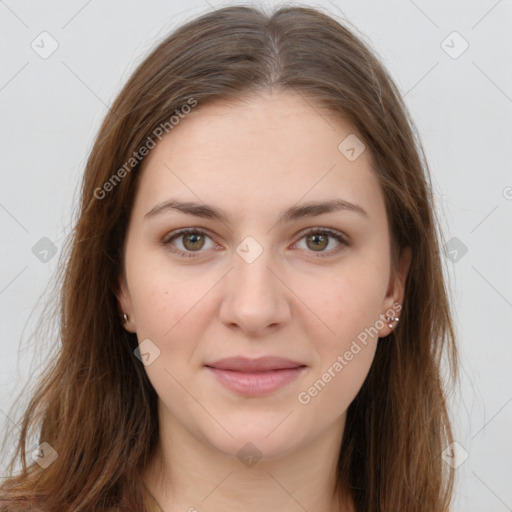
(261, 364)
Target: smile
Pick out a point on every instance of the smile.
(256, 383)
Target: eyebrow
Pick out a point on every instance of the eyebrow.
(308, 209)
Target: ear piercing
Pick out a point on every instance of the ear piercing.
(125, 318)
(391, 319)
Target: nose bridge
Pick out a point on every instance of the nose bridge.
(251, 275)
(255, 296)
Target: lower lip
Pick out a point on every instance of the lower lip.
(255, 384)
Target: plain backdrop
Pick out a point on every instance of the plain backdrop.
(452, 62)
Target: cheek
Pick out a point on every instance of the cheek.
(166, 310)
(346, 350)
(349, 303)
(163, 298)
(350, 308)
(169, 313)
(330, 393)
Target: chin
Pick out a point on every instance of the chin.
(262, 440)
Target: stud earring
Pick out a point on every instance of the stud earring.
(125, 318)
(391, 319)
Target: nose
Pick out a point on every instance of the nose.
(255, 299)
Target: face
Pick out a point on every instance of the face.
(313, 289)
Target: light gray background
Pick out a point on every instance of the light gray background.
(52, 108)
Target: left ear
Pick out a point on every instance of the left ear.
(393, 302)
(125, 304)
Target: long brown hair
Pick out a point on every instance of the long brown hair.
(95, 405)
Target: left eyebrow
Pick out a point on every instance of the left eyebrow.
(309, 209)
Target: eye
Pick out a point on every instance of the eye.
(318, 239)
(194, 239)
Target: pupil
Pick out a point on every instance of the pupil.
(319, 239)
(193, 238)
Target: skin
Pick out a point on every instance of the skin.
(253, 159)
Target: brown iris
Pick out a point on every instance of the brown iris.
(196, 241)
(321, 241)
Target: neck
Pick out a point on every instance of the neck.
(186, 473)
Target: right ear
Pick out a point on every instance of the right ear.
(125, 305)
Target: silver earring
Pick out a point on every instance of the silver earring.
(125, 318)
(392, 319)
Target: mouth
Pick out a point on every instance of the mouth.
(256, 377)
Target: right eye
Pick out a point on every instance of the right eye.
(193, 240)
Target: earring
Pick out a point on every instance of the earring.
(125, 318)
(391, 319)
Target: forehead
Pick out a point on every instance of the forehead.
(261, 151)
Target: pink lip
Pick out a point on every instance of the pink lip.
(253, 377)
(261, 364)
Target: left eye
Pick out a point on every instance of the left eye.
(193, 240)
(318, 238)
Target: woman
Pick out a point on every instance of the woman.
(253, 307)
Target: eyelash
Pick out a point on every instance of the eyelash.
(312, 231)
